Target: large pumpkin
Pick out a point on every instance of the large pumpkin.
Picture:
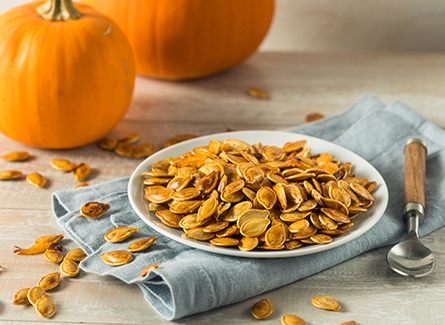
(185, 39)
(66, 74)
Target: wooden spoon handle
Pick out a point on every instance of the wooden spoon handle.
(415, 170)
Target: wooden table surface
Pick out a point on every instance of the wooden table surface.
(298, 84)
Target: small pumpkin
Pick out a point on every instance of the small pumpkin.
(67, 74)
(187, 39)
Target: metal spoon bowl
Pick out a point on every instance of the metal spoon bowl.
(410, 257)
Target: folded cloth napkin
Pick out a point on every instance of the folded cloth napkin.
(190, 281)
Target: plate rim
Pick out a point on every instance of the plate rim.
(376, 215)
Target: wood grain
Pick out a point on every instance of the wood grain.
(415, 171)
(299, 84)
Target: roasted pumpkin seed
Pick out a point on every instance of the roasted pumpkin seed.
(141, 244)
(224, 241)
(16, 156)
(119, 234)
(53, 255)
(262, 309)
(21, 297)
(351, 322)
(34, 294)
(290, 319)
(49, 281)
(76, 255)
(117, 257)
(36, 179)
(144, 150)
(62, 164)
(148, 268)
(81, 171)
(94, 210)
(6, 175)
(41, 244)
(45, 307)
(69, 268)
(326, 302)
(107, 143)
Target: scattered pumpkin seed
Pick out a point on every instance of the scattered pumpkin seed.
(16, 156)
(312, 117)
(351, 322)
(81, 171)
(107, 143)
(41, 244)
(144, 150)
(45, 307)
(326, 302)
(62, 164)
(69, 268)
(130, 138)
(34, 294)
(290, 319)
(53, 255)
(117, 257)
(124, 149)
(36, 179)
(148, 268)
(49, 281)
(262, 309)
(119, 234)
(9, 174)
(82, 184)
(94, 210)
(21, 297)
(258, 93)
(76, 255)
(141, 244)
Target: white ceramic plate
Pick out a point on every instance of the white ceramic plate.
(361, 167)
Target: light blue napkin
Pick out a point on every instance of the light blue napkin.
(190, 281)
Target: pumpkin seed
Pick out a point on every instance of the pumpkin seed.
(40, 246)
(62, 164)
(148, 268)
(45, 307)
(130, 138)
(76, 255)
(94, 210)
(119, 234)
(144, 150)
(254, 227)
(36, 179)
(169, 218)
(258, 93)
(124, 149)
(6, 175)
(248, 243)
(326, 302)
(321, 238)
(312, 117)
(290, 319)
(107, 143)
(276, 235)
(53, 255)
(16, 156)
(262, 309)
(81, 171)
(224, 241)
(158, 194)
(199, 234)
(69, 268)
(34, 294)
(351, 322)
(21, 297)
(178, 138)
(141, 244)
(83, 184)
(49, 281)
(117, 257)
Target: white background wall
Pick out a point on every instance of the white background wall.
(350, 25)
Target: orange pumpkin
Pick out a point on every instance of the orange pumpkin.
(67, 74)
(186, 39)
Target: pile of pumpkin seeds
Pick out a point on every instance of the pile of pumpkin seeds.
(231, 193)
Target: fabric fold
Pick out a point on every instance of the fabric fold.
(190, 281)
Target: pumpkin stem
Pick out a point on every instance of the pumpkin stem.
(57, 10)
